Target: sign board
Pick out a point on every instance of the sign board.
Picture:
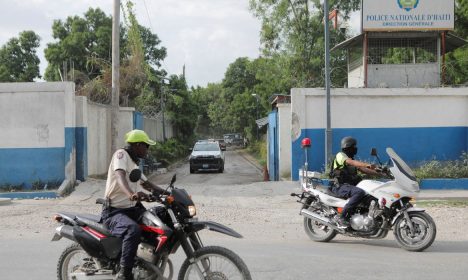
(396, 15)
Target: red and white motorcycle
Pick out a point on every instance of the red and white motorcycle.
(386, 206)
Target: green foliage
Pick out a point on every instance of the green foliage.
(258, 150)
(444, 169)
(294, 29)
(18, 59)
(169, 151)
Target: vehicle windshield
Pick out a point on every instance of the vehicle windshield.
(401, 165)
(206, 147)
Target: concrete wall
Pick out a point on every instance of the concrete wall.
(99, 135)
(403, 75)
(37, 139)
(154, 128)
(420, 124)
(356, 78)
(49, 134)
(284, 144)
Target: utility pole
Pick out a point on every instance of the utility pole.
(162, 110)
(328, 135)
(115, 75)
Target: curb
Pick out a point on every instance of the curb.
(251, 160)
(5, 201)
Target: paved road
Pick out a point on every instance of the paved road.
(275, 245)
(237, 170)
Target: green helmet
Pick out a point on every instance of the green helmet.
(138, 136)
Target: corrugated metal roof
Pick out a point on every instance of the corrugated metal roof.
(262, 122)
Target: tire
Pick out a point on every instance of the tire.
(192, 170)
(317, 231)
(63, 265)
(221, 169)
(231, 261)
(425, 232)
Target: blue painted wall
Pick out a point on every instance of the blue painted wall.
(415, 145)
(138, 120)
(24, 166)
(27, 165)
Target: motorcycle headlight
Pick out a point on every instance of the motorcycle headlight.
(192, 210)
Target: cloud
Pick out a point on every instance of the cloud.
(204, 35)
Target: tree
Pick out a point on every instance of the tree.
(180, 108)
(18, 59)
(87, 40)
(294, 28)
(457, 61)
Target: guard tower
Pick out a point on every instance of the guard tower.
(402, 44)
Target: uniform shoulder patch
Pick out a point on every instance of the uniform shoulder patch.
(120, 155)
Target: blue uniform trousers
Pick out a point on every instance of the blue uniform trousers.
(346, 191)
(123, 224)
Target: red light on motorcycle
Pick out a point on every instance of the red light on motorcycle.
(396, 195)
(57, 218)
(170, 199)
(340, 209)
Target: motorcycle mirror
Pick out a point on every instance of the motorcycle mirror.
(135, 175)
(173, 179)
(374, 153)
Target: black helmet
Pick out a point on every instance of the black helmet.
(348, 142)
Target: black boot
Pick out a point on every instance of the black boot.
(124, 274)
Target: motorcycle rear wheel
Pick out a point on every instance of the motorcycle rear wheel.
(425, 232)
(220, 264)
(72, 259)
(317, 231)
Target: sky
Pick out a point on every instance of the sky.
(204, 35)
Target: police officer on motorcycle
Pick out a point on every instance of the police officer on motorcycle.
(344, 171)
(123, 196)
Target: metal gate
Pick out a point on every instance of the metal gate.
(273, 166)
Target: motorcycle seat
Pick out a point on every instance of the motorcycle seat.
(93, 221)
(327, 190)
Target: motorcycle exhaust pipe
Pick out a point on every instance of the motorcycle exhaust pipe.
(66, 231)
(325, 221)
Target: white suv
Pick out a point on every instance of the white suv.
(206, 155)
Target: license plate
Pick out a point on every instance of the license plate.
(205, 165)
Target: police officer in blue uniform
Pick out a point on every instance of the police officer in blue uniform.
(344, 171)
(124, 208)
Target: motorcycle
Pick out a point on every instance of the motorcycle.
(386, 206)
(166, 226)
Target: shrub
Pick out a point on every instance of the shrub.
(444, 169)
(169, 151)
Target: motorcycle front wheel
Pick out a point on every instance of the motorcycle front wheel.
(318, 231)
(423, 235)
(73, 260)
(214, 263)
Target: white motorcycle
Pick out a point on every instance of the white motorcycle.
(386, 206)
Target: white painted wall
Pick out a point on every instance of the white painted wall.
(34, 117)
(284, 145)
(154, 128)
(380, 107)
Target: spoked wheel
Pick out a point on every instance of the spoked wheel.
(214, 263)
(318, 231)
(424, 231)
(74, 260)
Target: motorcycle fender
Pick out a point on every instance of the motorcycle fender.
(199, 225)
(407, 210)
